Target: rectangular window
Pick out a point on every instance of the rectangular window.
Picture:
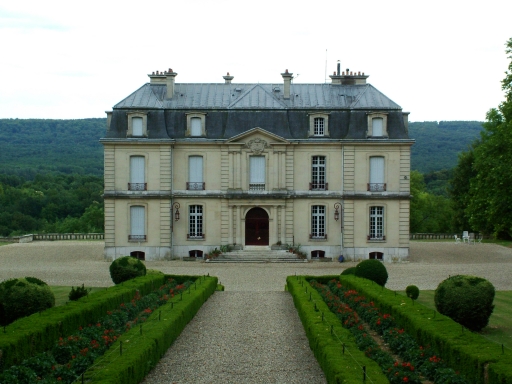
(137, 174)
(195, 222)
(137, 126)
(257, 173)
(137, 223)
(377, 127)
(376, 223)
(318, 222)
(195, 126)
(319, 126)
(376, 183)
(195, 173)
(318, 174)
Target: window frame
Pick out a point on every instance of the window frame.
(372, 185)
(131, 116)
(377, 115)
(195, 225)
(190, 116)
(257, 186)
(320, 184)
(137, 237)
(318, 115)
(376, 229)
(318, 222)
(137, 186)
(193, 185)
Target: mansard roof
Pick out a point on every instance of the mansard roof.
(235, 96)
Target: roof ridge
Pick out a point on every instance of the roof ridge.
(359, 96)
(250, 90)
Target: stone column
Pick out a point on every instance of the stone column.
(283, 224)
(238, 226)
(230, 228)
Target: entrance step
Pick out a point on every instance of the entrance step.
(259, 255)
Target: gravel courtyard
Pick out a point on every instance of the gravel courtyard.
(74, 263)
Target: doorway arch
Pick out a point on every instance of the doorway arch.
(257, 227)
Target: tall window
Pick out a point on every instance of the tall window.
(376, 223)
(318, 174)
(319, 126)
(137, 126)
(378, 127)
(376, 174)
(257, 173)
(195, 222)
(195, 127)
(137, 223)
(318, 222)
(195, 173)
(137, 174)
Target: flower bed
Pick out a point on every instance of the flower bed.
(357, 314)
(72, 355)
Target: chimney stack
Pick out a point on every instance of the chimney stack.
(228, 78)
(348, 78)
(169, 76)
(287, 77)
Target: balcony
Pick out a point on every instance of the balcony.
(193, 186)
(196, 236)
(376, 237)
(376, 187)
(318, 186)
(136, 237)
(318, 236)
(257, 187)
(137, 186)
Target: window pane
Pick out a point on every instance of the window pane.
(195, 169)
(137, 220)
(318, 172)
(257, 170)
(137, 126)
(376, 170)
(137, 170)
(195, 126)
(195, 221)
(376, 222)
(318, 221)
(377, 125)
(319, 126)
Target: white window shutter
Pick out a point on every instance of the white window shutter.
(195, 169)
(257, 170)
(377, 126)
(137, 126)
(195, 126)
(137, 165)
(377, 170)
(137, 220)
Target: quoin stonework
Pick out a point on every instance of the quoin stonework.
(190, 167)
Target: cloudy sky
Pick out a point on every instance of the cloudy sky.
(439, 60)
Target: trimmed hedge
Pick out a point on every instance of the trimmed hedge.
(141, 352)
(327, 347)
(467, 352)
(38, 332)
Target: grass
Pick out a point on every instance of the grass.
(62, 293)
(499, 329)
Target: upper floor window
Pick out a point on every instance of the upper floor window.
(195, 222)
(196, 124)
(376, 183)
(257, 173)
(137, 124)
(318, 222)
(137, 174)
(137, 223)
(195, 173)
(318, 124)
(377, 125)
(376, 223)
(318, 174)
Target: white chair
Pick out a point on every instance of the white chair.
(465, 236)
(457, 239)
(471, 239)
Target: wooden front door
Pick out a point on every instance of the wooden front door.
(256, 227)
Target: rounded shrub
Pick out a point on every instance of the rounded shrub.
(126, 268)
(372, 269)
(466, 299)
(412, 291)
(349, 271)
(22, 297)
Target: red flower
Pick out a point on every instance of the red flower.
(406, 379)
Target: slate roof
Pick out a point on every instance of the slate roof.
(258, 96)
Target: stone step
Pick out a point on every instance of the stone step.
(257, 256)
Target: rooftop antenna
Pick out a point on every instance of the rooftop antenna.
(325, 72)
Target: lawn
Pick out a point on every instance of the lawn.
(62, 293)
(499, 329)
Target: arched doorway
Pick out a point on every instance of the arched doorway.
(256, 227)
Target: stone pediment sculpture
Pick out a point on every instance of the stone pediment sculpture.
(257, 146)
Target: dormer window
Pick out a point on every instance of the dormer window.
(196, 126)
(318, 124)
(377, 125)
(137, 125)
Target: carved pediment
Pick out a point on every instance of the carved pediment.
(257, 134)
(257, 146)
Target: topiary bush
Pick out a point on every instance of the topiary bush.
(349, 271)
(22, 297)
(372, 269)
(126, 268)
(466, 299)
(78, 293)
(412, 291)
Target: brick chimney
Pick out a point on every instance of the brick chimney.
(228, 78)
(169, 76)
(348, 78)
(287, 77)
(157, 78)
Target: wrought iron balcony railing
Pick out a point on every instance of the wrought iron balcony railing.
(137, 186)
(318, 186)
(376, 187)
(193, 186)
(376, 237)
(257, 187)
(136, 237)
(196, 236)
(318, 236)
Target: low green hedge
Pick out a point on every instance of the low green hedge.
(143, 347)
(478, 359)
(326, 337)
(38, 332)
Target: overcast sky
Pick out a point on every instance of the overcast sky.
(439, 60)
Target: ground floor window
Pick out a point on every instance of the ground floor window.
(138, 255)
(318, 222)
(318, 253)
(195, 253)
(376, 223)
(137, 223)
(195, 222)
(376, 255)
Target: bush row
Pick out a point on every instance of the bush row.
(327, 336)
(478, 359)
(142, 351)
